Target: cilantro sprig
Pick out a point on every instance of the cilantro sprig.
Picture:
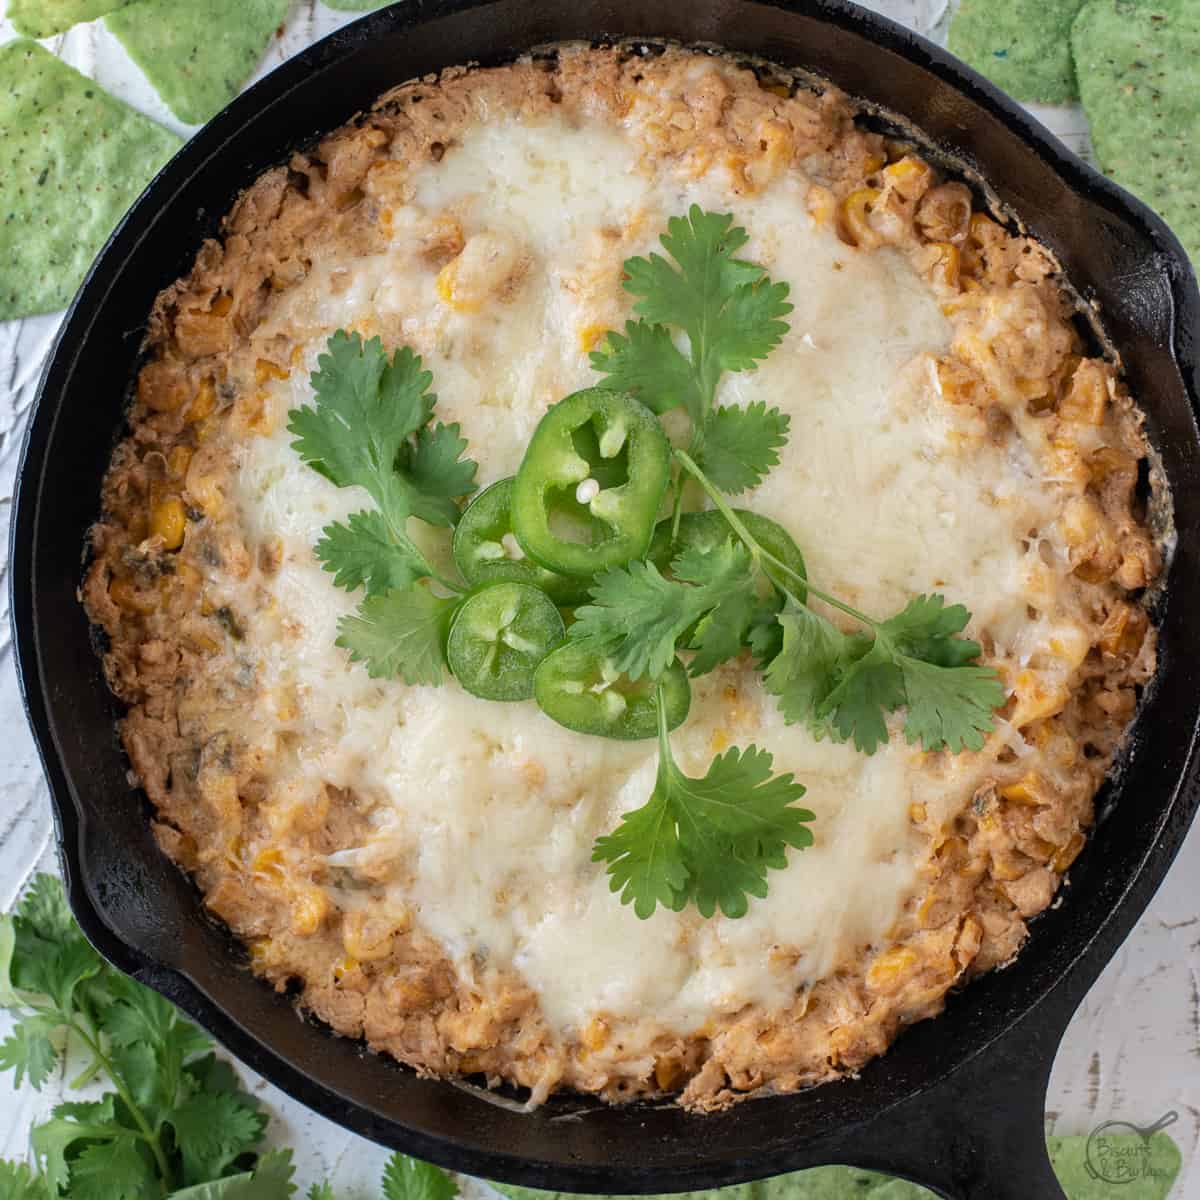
(847, 684)
(176, 1123)
(707, 841)
(732, 316)
(638, 617)
(175, 1117)
(371, 426)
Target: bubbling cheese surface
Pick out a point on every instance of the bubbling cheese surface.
(489, 811)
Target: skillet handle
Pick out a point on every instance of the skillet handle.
(980, 1133)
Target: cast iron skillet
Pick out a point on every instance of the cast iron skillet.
(957, 1104)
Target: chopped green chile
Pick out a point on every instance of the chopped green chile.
(487, 551)
(588, 490)
(499, 636)
(580, 688)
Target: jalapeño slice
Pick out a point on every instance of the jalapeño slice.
(579, 688)
(487, 551)
(499, 636)
(588, 489)
(707, 530)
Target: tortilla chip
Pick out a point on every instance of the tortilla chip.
(1022, 46)
(1145, 1167)
(72, 161)
(45, 18)
(1129, 1165)
(197, 56)
(1139, 74)
(821, 1183)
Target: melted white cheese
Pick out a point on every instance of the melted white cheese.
(489, 811)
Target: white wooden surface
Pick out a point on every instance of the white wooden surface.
(1133, 1050)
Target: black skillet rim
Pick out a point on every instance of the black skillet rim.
(1088, 958)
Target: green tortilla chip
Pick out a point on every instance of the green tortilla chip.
(72, 160)
(1023, 46)
(197, 56)
(1127, 1165)
(821, 1183)
(1145, 1169)
(44, 18)
(1139, 74)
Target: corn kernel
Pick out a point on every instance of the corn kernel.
(668, 1072)
(1124, 630)
(856, 208)
(595, 1034)
(344, 966)
(590, 337)
(1069, 853)
(265, 369)
(267, 866)
(203, 403)
(1031, 790)
(221, 305)
(891, 968)
(1035, 699)
(309, 910)
(168, 520)
(946, 267)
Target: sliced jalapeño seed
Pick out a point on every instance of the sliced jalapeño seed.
(579, 688)
(499, 636)
(487, 551)
(588, 489)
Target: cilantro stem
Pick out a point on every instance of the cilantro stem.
(144, 1131)
(758, 553)
(401, 538)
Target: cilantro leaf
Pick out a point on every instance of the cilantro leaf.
(365, 550)
(648, 365)
(17, 1182)
(731, 313)
(406, 1178)
(402, 633)
(358, 432)
(365, 408)
(436, 474)
(741, 445)
(709, 841)
(320, 1191)
(949, 707)
(637, 615)
(30, 1050)
(811, 659)
(721, 634)
(869, 688)
(211, 1131)
(44, 909)
(848, 683)
(926, 629)
(271, 1179)
(53, 1138)
(112, 1170)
